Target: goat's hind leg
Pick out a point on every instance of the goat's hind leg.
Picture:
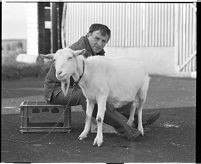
(139, 113)
(142, 98)
(89, 111)
(132, 113)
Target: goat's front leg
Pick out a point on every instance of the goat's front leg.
(99, 119)
(89, 111)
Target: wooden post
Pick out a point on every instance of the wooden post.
(43, 32)
(54, 37)
(56, 16)
(59, 24)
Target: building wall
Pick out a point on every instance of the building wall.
(131, 24)
(144, 30)
(152, 30)
(163, 35)
(158, 60)
(185, 37)
(32, 29)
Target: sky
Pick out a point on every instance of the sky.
(13, 20)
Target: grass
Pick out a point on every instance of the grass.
(11, 69)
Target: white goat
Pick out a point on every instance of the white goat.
(115, 80)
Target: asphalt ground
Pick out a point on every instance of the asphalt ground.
(170, 139)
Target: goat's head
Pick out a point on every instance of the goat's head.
(66, 65)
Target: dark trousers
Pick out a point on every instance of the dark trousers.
(112, 116)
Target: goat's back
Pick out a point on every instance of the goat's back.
(123, 76)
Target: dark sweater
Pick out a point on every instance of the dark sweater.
(51, 83)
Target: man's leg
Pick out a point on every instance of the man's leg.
(79, 99)
(147, 118)
(60, 99)
(114, 118)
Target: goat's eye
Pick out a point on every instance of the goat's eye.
(70, 58)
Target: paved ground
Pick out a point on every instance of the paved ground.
(170, 139)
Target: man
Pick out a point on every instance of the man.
(94, 43)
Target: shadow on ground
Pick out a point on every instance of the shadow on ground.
(170, 139)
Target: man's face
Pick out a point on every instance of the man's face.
(97, 41)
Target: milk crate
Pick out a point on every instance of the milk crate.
(38, 116)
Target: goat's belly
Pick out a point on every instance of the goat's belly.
(89, 95)
(117, 103)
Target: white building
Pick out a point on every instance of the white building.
(163, 35)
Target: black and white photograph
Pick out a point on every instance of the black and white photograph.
(98, 81)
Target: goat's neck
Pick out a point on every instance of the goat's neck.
(79, 70)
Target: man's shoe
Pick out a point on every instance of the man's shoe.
(147, 119)
(133, 135)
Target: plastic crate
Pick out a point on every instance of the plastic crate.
(38, 116)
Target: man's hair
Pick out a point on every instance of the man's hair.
(100, 27)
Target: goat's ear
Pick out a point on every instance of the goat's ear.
(47, 56)
(79, 52)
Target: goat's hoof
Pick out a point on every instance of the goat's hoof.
(82, 136)
(141, 131)
(130, 123)
(97, 142)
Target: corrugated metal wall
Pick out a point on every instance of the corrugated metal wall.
(132, 24)
(186, 37)
(139, 25)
